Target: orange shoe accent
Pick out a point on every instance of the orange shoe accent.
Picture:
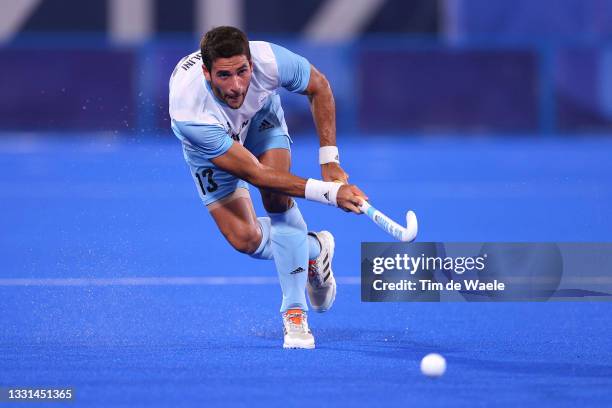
(311, 265)
(296, 317)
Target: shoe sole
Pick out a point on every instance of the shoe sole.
(296, 346)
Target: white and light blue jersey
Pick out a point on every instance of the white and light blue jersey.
(208, 125)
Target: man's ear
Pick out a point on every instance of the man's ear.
(206, 72)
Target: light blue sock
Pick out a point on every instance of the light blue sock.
(265, 247)
(314, 247)
(289, 243)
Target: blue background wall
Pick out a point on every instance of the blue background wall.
(446, 66)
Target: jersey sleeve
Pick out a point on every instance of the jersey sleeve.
(210, 140)
(293, 69)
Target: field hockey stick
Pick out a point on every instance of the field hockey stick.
(404, 234)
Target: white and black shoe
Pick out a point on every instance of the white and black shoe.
(321, 282)
(297, 332)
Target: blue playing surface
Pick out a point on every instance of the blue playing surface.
(110, 208)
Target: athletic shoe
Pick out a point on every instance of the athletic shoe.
(297, 333)
(321, 281)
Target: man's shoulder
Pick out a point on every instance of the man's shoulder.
(261, 50)
(189, 98)
(265, 68)
(190, 63)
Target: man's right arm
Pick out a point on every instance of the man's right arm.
(241, 163)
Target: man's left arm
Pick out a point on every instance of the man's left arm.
(296, 74)
(323, 110)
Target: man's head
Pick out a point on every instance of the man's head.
(227, 64)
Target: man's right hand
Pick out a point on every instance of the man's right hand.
(350, 197)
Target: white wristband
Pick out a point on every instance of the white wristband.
(329, 154)
(322, 191)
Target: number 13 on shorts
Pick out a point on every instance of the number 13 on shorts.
(213, 184)
(206, 183)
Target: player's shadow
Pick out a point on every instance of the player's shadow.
(330, 338)
(329, 335)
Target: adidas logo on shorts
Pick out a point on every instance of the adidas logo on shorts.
(265, 125)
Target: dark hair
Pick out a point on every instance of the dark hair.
(223, 42)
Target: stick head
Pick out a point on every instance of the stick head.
(412, 227)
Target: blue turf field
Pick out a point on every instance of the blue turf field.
(104, 208)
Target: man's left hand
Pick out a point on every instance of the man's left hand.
(333, 172)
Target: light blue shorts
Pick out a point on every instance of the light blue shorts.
(267, 131)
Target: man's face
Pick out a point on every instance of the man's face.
(230, 79)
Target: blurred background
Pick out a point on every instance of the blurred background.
(428, 66)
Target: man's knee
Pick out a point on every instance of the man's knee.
(274, 202)
(245, 240)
